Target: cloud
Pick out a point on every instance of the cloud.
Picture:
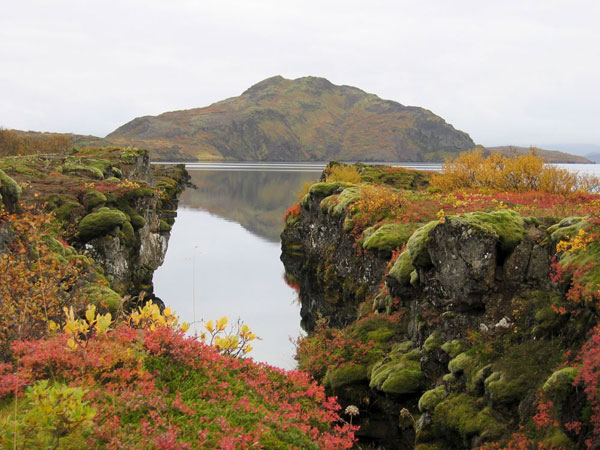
(510, 72)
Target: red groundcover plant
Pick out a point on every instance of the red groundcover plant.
(159, 389)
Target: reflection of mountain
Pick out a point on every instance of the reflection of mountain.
(254, 199)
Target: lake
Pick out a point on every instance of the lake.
(223, 255)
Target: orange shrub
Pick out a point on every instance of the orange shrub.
(377, 203)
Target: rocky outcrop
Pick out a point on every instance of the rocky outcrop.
(110, 203)
(479, 330)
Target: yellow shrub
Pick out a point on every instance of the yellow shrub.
(343, 172)
(519, 173)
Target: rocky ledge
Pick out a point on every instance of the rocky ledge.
(110, 205)
(451, 320)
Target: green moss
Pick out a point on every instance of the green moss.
(348, 224)
(323, 189)
(345, 375)
(380, 335)
(558, 439)
(137, 221)
(463, 414)
(508, 226)
(64, 208)
(560, 384)
(502, 389)
(432, 446)
(72, 167)
(164, 226)
(104, 297)
(566, 228)
(9, 187)
(383, 301)
(430, 399)
(462, 364)
(414, 278)
(404, 381)
(402, 269)
(453, 348)
(403, 347)
(433, 342)
(399, 373)
(345, 199)
(417, 245)
(387, 237)
(100, 223)
(127, 232)
(92, 199)
(56, 247)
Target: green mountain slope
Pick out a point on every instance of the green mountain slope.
(296, 120)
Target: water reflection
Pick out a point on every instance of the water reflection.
(254, 199)
(223, 257)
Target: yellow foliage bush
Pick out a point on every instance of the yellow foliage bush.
(376, 203)
(501, 173)
(342, 172)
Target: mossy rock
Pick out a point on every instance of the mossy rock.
(430, 399)
(127, 232)
(100, 223)
(402, 269)
(433, 342)
(93, 199)
(345, 375)
(324, 189)
(462, 364)
(464, 414)
(566, 228)
(560, 384)
(56, 247)
(164, 227)
(400, 373)
(453, 348)
(104, 297)
(417, 245)
(10, 192)
(387, 237)
(404, 381)
(91, 171)
(64, 208)
(558, 439)
(507, 225)
(503, 390)
(137, 221)
(337, 204)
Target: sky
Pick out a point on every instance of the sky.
(511, 72)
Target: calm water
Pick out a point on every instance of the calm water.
(223, 256)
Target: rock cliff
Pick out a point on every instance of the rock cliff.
(110, 205)
(449, 321)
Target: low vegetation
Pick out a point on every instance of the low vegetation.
(83, 366)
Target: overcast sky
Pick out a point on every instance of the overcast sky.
(511, 72)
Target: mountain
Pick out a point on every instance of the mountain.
(297, 120)
(553, 156)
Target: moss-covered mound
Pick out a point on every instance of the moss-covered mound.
(101, 223)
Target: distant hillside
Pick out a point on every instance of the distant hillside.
(297, 120)
(553, 156)
(595, 157)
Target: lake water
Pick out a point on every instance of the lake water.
(223, 255)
